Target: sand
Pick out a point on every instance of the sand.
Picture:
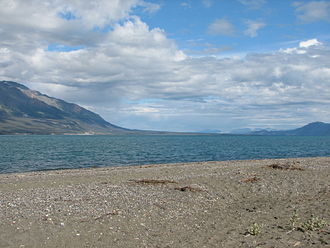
(211, 204)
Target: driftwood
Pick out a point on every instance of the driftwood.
(251, 179)
(287, 166)
(152, 181)
(191, 188)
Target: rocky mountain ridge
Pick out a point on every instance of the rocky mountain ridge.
(24, 111)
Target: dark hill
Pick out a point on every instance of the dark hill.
(26, 111)
(311, 129)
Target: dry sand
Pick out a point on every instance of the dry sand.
(209, 204)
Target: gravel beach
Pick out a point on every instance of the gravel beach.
(209, 204)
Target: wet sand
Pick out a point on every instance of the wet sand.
(211, 204)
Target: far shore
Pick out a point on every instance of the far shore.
(247, 203)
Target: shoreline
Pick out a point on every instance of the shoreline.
(159, 165)
(210, 204)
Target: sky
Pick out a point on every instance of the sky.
(175, 65)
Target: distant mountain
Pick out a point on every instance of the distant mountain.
(311, 129)
(241, 131)
(24, 111)
(210, 131)
(249, 130)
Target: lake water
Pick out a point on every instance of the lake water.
(32, 153)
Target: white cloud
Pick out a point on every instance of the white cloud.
(308, 43)
(313, 11)
(185, 5)
(207, 3)
(139, 79)
(253, 4)
(302, 48)
(136, 76)
(44, 14)
(150, 7)
(221, 27)
(253, 27)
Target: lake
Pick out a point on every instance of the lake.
(34, 153)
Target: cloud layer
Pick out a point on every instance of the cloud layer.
(136, 76)
(253, 4)
(221, 27)
(313, 11)
(253, 27)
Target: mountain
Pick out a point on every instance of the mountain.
(24, 111)
(249, 130)
(311, 129)
(241, 131)
(210, 131)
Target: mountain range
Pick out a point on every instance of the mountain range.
(25, 111)
(311, 129)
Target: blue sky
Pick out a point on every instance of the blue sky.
(175, 65)
(188, 22)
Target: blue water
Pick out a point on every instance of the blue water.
(32, 153)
